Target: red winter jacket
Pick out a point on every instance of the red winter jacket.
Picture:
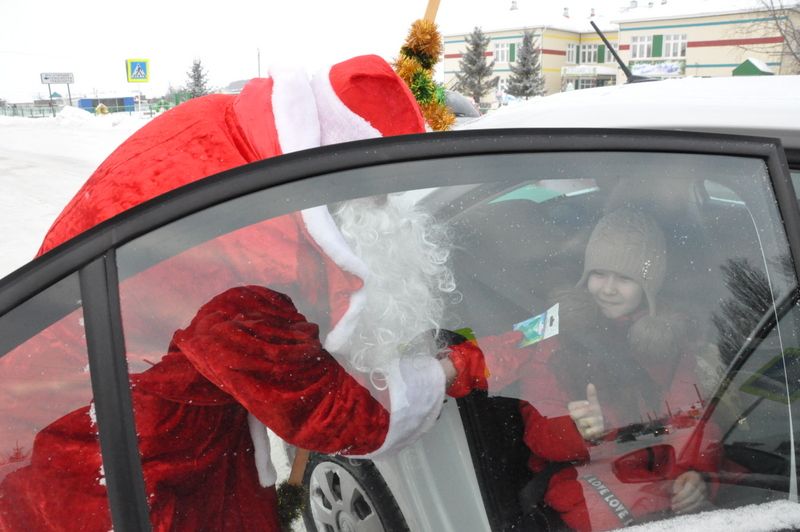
(604, 484)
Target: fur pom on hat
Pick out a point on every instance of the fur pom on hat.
(662, 337)
(629, 243)
(577, 309)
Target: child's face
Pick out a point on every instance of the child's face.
(615, 294)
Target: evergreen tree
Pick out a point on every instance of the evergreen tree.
(526, 78)
(198, 79)
(751, 298)
(474, 78)
(17, 455)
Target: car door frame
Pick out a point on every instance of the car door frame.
(92, 253)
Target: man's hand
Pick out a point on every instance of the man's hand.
(688, 492)
(587, 415)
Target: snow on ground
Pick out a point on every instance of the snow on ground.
(43, 162)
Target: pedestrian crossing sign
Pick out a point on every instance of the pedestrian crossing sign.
(138, 71)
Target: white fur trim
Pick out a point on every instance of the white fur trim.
(267, 476)
(416, 391)
(337, 122)
(294, 109)
(322, 228)
(298, 129)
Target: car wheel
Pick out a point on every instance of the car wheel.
(348, 495)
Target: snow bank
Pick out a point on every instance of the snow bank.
(777, 515)
(74, 116)
(43, 163)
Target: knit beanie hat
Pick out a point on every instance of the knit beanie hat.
(629, 243)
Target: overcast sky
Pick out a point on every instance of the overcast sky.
(93, 38)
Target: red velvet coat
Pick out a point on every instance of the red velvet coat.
(247, 350)
(247, 358)
(596, 476)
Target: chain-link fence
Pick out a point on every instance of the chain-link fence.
(43, 112)
(29, 111)
(97, 106)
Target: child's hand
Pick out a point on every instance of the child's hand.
(587, 415)
(688, 492)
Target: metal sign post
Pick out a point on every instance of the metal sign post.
(57, 77)
(51, 100)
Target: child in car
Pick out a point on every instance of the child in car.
(613, 367)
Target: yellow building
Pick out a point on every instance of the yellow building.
(661, 38)
(570, 51)
(704, 43)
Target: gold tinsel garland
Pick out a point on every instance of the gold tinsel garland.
(418, 56)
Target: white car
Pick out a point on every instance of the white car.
(710, 160)
(431, 481)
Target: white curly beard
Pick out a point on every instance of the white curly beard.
(406, 252)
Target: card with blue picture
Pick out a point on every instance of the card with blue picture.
(539, 327)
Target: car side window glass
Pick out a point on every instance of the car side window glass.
(47, 408)
(617, 318)
(796, 181)
(589, 295)
(275, 322)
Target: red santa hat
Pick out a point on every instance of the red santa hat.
(356, 99)
(364, 98)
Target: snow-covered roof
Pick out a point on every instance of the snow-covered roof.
(759, 64)
(646, 10)
(575, 15)
(494, 16)
(755, 105)
(235, 87)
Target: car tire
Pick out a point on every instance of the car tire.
(348, 495)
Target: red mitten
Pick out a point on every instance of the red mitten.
(470, 369)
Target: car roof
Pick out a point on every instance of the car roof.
(754, 105)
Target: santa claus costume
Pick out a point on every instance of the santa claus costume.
(248, 357)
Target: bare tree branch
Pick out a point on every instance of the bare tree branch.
(785, 17)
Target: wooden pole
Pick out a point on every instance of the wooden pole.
(430, 12)
(298, 467)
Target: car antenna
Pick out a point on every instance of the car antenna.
(632, 78)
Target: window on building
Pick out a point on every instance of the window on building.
(572, 53)
(675, 45)
(588, 53)
(505, 52)
(587, 83)
(641, 46)
(609, 57)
